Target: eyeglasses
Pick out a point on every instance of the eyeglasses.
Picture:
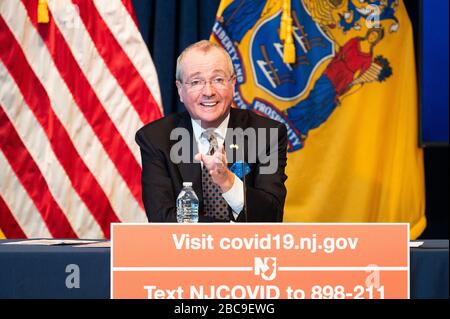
(199, 84)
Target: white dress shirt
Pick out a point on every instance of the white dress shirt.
(235, 195)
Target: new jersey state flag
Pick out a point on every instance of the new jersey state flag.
(341, 75)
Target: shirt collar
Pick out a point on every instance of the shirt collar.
(221, 130)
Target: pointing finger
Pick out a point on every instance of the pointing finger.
(198, 157)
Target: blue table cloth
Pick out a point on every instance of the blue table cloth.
(47, 271)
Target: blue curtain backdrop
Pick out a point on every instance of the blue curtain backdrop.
(168, 26)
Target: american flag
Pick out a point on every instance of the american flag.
(73, 92)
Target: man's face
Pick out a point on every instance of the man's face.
(209, 104)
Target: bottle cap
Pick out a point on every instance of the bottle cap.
(187, 184)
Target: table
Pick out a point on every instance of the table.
(429, 270)
(41, 271)
(53, 271)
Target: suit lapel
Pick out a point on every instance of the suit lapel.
(237, 120)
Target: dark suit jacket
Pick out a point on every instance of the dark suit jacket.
(162, 179)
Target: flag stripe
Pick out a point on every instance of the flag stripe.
(20, 204)
(38, 145)
(84, 139)
(10, 227)
(31, 178)
(38, 100)
(110, 94)
(132, 44)
(119, 63)
(127, 4)
(88, 103)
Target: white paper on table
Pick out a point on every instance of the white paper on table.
(415, 244)
(101, 244)
(50, 242)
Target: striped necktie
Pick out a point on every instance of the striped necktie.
(214, 205)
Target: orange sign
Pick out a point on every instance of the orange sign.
(260, 261)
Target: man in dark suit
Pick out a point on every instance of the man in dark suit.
(205, 82)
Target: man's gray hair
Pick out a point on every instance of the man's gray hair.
(204, 46)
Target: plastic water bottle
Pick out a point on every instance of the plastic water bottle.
(187, 205)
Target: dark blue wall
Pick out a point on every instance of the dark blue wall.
(433, 41)
(168, 26)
